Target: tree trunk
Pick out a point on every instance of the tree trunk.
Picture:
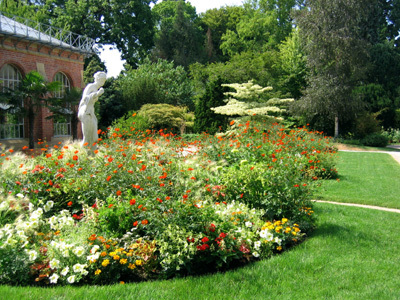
(31, 122)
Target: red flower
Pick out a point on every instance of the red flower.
(143, 168)
(119, 193)
(111, 205)
(69, 203)
(212, 227)
(145, 222)
(135, 223)
(132, 202)
(222, 235)
(75, 157)
(205, 239)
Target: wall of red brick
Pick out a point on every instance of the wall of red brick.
(27, 57)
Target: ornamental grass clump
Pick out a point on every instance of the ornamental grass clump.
(157, 206)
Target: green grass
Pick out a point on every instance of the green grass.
(353, 254)
(365, 178)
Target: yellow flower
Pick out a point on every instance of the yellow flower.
(113, 253)
(278, 229)
(123, 261)
(105, 263)
(132, 266)
(139, 262)
(279, 248)
(122, 282)
(97, 272)
(116, 257)
(129, 254)
(284, 220)
(294, 232)
(288, 229)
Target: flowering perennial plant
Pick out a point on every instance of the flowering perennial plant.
(153, 205)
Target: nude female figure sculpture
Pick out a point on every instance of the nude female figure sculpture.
(86, 114)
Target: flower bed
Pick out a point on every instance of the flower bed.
(145, 207)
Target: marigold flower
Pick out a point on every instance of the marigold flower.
(69, 203)
(139, 262)
(145, 222)
(105, 263)
(97, 272)
(123, 261)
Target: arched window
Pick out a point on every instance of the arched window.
(10, 77)
(11, 125)
(65, 84)
(62, 121)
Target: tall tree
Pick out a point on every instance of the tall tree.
(336, 47)
(179, 37)
(215, 23)
(127, 24)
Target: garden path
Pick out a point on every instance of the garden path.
(395, 155)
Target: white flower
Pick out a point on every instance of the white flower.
(48, 205)
(32, 254)
(94, 257)
(257, 245)
(94, 249)
(278, 241)
(54, 263)
(65, 271)
(248, 224)
(79, 268)
(255, 254)
(79, 251)
(19, 195)
(53, 278)
(265, 234)
(71, 279)
(3, 206)
(65, 253)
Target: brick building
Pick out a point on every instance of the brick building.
(57, 55)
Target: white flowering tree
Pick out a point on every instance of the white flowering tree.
(249, 99)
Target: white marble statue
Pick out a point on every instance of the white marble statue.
(86, 114)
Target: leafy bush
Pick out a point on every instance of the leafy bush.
(165, 116)
(393, 135)
(375, 140)
(156, 82)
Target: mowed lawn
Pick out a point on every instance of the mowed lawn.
(364, 178)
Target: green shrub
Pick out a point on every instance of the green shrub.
(166, 116)
(375, 140)
(127, 125)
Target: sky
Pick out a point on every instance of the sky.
(112, 57)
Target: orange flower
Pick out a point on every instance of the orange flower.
(69, 203)
(119, 193)
(144, 222)
(75, 157)
(108, 177)
(232, 122)
(135, 223)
